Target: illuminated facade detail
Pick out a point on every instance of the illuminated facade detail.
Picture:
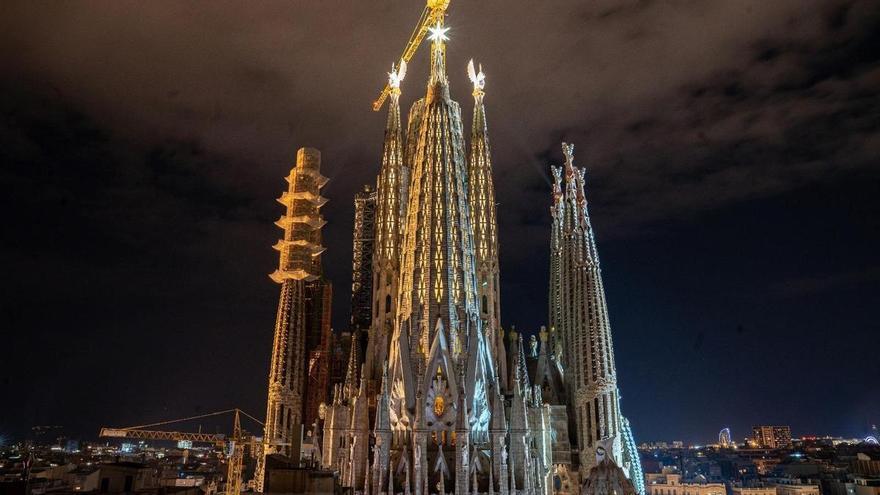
(630, 461)
(302, 326)
(578, 313)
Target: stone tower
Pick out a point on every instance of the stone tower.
(298, 274)
(579, 314)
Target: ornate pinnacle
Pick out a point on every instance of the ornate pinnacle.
(568, 150)
(557, 184)
(521, 372)
(351, 384)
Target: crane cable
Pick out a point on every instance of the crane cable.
(193, 417)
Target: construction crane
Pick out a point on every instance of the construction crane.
(233, 446)
(433, 13)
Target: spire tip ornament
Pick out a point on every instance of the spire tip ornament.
(395, 77)
(568, 150)
(477, 78)
(438, 33)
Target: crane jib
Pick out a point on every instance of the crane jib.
(432, 13)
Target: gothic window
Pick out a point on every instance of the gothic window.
(485, 303)
(387, 304)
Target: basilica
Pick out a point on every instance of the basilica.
(436, 397)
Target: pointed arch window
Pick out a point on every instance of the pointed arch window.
(387, 304)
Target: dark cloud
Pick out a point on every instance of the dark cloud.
(828, 282)
(143, 145)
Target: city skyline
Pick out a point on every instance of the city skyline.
(724, 295)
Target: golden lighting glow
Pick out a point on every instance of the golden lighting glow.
(439, 406)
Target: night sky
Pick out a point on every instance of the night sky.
(732, 154)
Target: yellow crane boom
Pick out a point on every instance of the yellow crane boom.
(217, 438)
(433, 13)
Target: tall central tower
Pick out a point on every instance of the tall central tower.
(438, 336)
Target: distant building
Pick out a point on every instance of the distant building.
(772, 437)
(669, 483)
(867, 486)
(753, 490)
(127, 477)
(282, 476)
(837, 487)
(864, 465)
(85, 479)
(796, 489)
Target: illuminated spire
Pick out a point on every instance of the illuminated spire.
(386, 254)
(351, 374)
(522, 386)
(483, 220)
